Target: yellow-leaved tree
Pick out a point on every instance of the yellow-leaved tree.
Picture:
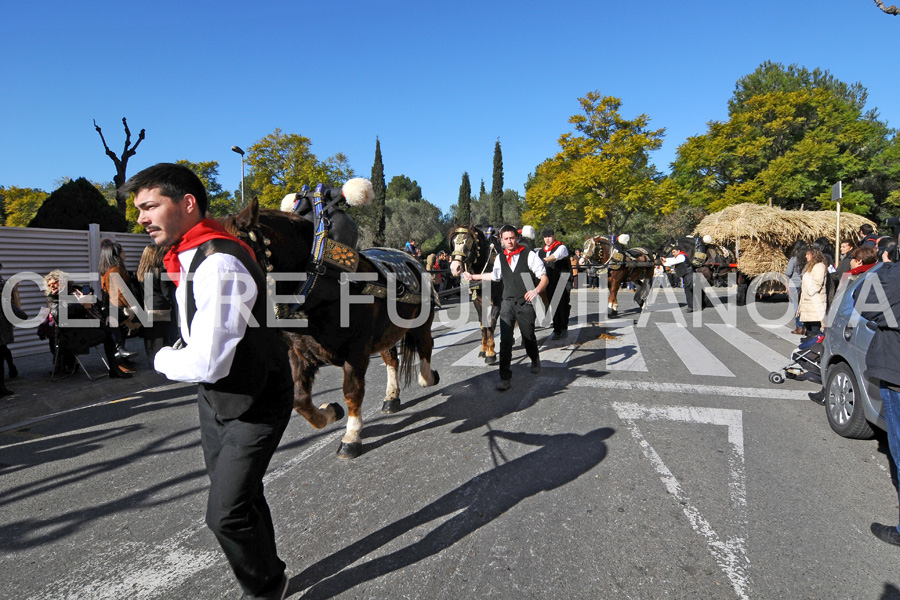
(602, 175)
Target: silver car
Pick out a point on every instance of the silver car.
(852, 401)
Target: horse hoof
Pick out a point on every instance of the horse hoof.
(490, 359)
(352, 450)
(338, 411)
(391, 406)
(436, 377)
(481, 354)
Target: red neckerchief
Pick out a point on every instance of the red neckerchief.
(205, 230)
(861, 269)
(552, 247)
(510, 253)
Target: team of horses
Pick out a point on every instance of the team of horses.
(391, 308)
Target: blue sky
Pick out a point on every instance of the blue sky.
(437, 82)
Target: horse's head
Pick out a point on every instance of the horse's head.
(596, 249)
(468, 249)
(282, 241)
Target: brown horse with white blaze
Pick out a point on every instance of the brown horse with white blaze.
(473, 253)
(382, 314)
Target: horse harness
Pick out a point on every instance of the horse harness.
(467, 251)
(329, 259)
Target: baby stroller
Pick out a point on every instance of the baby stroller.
(805, 359)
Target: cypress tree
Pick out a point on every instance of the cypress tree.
(380, 190)
(497, 188)
(483, 191)
(464, 207)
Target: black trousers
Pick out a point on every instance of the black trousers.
(512, 311)
(689, 291)
(564, 308)
(237, 453)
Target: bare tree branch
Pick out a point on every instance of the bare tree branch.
(891, 10)
(121, 162)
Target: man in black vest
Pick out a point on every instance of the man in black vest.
(517, 268)
(245, 391)
(678, 262)
(556, 260)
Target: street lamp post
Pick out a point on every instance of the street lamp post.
(241, 152)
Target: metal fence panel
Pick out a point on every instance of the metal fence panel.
(39, 251)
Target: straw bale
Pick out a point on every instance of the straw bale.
(758, 257)
(776, 226)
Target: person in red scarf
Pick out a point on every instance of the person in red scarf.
(245, 389)
(518, 268)
(556, 260)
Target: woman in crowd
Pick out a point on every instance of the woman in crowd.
(112, 261)
(75, 339)
(7, 332)
(794, 273)
(813, 297)
(159, 304)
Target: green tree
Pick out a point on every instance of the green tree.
(221, 202)
(281, 163)
(21, 204)
(464, 205)
(418, 220)
(791, 134)
(380, 189)
(402, 187)
(497, 187)
(75, 205)
(602, 174)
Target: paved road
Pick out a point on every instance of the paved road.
(647, 460)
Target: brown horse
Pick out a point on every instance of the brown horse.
(283, 243)
(473, 253)
(638, 268)
(719, 264)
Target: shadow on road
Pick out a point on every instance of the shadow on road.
(558, 460)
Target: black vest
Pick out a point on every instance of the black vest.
(513, 284)
(262, 352)
(556, 268)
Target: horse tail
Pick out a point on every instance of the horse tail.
(409, 353)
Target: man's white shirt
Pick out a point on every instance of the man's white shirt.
(535, 264)
(224, 294)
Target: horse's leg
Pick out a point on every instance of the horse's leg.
(478, 303)
(613, 305)
(392, 395)
(304, 375)
(354, 389)
(425, 343)
(488, 333)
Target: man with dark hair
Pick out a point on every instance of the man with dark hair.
(245, 390)
(556, 261)
(517, 268)
(867, 235)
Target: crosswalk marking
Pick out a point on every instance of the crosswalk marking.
(556, 353)
(686, 388)
(452, 338)
(695, 356)
(623, 353)
(753, 348)
(782, 332)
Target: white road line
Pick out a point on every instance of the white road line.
(556, 353)
(695, 356)
(783, 332)
(454, 337)
(753, 348)
(730, 553)
(623, 353)
(685, 388)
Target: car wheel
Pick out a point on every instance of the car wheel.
(776, 377)
(843, 404)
